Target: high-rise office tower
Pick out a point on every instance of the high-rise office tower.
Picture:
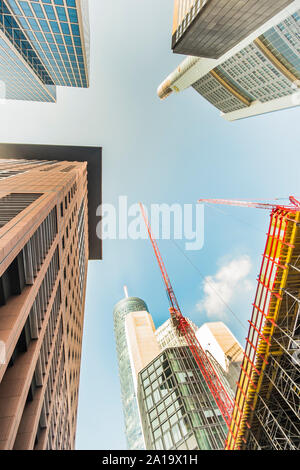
(267, 400)
(45, 241)
(177, 408)
(209, 28)
(218, 341)
(260, 74)
(43, 44)
(167, 335)
(133, 430)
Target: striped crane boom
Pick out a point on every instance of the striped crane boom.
(212, 380)
(294, 205)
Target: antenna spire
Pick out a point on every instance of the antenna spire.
(126, 292)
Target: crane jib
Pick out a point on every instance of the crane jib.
(183, 328)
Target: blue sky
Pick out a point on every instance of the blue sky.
(177, 150)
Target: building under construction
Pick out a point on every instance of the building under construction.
(266, 411)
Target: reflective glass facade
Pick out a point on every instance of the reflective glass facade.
(177, 409)
(52, 38)
(218, 95)
(133, 428)
(209, 28)
(12, 30)
(254, 75)
(265, 70)
(284, 41)
(18, 80)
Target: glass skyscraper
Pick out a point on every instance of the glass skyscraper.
(263, 71)
(166, 401)
(43, 43)
(258, 75)
(177, 408)
(133, 430)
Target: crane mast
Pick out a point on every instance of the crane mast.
(212, 380)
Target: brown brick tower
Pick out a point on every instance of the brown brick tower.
(44, 251)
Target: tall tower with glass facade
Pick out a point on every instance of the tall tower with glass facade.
(259, 74)
(133, 430)
(176, 409)
(43, 44)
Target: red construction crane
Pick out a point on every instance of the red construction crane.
(294, 205)
(212, 380)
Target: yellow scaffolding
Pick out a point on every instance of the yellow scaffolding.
(278, 275)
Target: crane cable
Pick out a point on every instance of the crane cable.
(237, 218)
(205, 279)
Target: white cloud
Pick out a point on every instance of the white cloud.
(227, 285)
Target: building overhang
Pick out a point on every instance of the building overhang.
(91, 155)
